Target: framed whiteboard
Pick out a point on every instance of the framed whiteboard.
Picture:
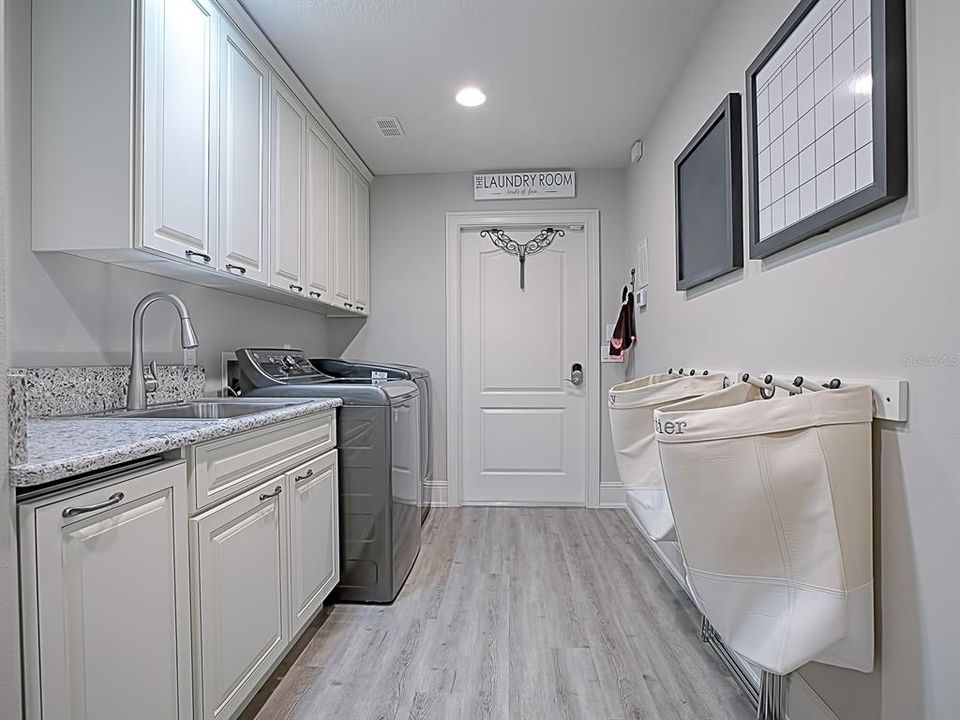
(826, 120)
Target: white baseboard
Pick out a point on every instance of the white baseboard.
(438, 494)
(612, 496)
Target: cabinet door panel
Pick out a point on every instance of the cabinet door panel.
(179, 127)
(361, 245)
(314, 536)
(244, 170)
(288, 130)
(241, 555)
(343, 231)
(318, 254)
(112, 602)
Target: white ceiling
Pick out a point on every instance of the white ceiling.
(569, 84)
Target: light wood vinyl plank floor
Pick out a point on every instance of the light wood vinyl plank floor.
(512, 613)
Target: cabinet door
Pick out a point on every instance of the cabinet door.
(361, 244)
(239, 566)
(343, 231)
(314, 536)
(244, 150)
(318, 253)
(180, 128)
(288, 127)
(107, 625)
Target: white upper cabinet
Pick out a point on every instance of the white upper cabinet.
(197, 154)
(180, 38)
(288, 128)
(106, 610)
(244, 156)
(318, 251)
(343, 232)
(361, 244)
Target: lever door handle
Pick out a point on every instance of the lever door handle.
(576, 374)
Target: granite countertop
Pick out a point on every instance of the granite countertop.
(61, 447)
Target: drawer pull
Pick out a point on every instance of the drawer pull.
(314, 293)
(74, 511)
(296, 288)
(348, 305)
(231, 266)
(193, 253)
(276, 491)
(307, 474)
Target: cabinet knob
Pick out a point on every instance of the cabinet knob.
(243, 270)
(296, 288)
(74, 511)
(193, 253)
(276, 491)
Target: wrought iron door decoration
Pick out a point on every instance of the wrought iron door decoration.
(506, 243)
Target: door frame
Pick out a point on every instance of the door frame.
(456, 223)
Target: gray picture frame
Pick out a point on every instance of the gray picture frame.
(889, 104)
(727, 120)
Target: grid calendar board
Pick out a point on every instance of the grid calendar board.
(814, 116)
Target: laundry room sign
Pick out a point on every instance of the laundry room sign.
(525, 184)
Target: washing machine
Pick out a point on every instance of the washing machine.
(366, 369)
(378, 443)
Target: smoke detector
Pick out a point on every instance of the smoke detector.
(389, 127)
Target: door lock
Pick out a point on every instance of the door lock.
(576, 374)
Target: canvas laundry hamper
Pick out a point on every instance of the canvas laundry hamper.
(773, 508)
(631, 406)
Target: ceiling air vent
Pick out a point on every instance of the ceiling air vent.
(389, 127)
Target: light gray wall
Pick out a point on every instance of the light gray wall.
(9, 585)
(66, 310)
(877, 297)
(408, 276)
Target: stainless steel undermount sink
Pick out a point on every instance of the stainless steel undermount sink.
(205, 409)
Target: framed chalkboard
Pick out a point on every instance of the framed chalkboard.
(709, 199)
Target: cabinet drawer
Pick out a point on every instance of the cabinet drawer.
(221, 468)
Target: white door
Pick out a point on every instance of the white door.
(240, 594)
(112, 612)
(179, 128)
(288, 127)
(318, 253)
(314, 536)
(361, 244)
(244, 152)
(524, 423)
(342, 231)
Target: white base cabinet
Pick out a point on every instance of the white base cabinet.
(106, 614)
(134, 608)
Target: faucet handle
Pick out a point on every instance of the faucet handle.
(150, 380)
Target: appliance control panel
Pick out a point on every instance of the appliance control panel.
(281, 365)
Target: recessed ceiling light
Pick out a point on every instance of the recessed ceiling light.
(471, 96)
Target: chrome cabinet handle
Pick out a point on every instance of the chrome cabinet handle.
(74, 511)
(276, 491)
(307, 474)
(296, 288)
(314, 293)
(360, 307)
(231, 266)
(349, 305)
(194, 253)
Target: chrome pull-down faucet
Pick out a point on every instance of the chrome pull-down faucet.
(140, 384)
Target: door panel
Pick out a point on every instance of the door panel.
(318, 253)
(361, 245)
(289, 121)
(314, 536)
(343, 231)
(240, 593)
(112, 602)
(524, 429)
(179, 127)
(244, 170)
